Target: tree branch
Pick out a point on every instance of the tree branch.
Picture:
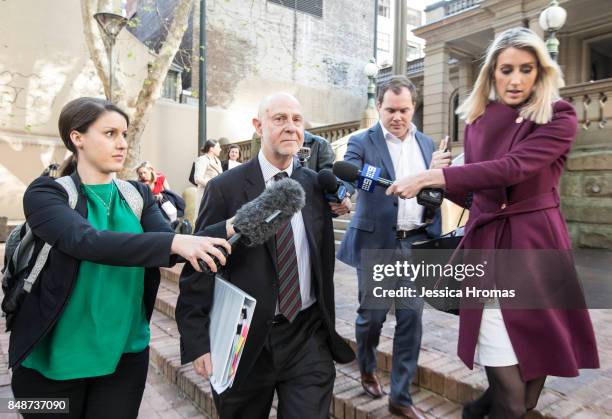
(93, 40)
(152, 84)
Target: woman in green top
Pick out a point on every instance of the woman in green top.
(82, 333)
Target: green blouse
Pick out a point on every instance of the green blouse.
(105, 314)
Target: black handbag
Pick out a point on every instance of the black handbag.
(440, 251)
(192, 175)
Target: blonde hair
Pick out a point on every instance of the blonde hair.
(147, 165)
(539, 107)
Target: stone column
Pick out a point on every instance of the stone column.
(436, 91)
(467, 77)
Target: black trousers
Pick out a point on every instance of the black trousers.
(296, 362)
(117, 395)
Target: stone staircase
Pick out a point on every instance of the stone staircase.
(442, 382)
(349, 400)
(340, 226)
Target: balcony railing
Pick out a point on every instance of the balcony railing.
(246, 149)
(591, 100)
(334, 132)
(456, 6)
(412, 69)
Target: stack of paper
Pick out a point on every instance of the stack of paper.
(230, 322)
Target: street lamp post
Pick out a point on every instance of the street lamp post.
(110, 24)
(552, 20)
(370, 116)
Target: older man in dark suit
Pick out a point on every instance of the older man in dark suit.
(292, 343)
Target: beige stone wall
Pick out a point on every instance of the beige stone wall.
(44, 63)
(256, 50)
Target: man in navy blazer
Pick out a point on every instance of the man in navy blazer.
(385, 222)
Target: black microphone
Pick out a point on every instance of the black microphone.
(366, 177)
(258, 220)
(334, 190)
(369, 176)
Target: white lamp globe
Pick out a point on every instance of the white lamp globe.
(553, 18)
(371, 69)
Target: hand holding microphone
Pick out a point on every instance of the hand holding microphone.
(426, 186)
(368, 177)
(256, 221)
(432, 197)
(335, 192)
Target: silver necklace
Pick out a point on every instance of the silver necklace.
(110, 198)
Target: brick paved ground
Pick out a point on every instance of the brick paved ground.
(440, 373)
(562, 396)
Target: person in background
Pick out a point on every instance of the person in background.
(207, 166)
(233, 158)
(156, 181)
(321, 154)
(51, 171)
(517, 137)
(82, 332)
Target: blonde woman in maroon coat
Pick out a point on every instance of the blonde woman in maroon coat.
(517, 138)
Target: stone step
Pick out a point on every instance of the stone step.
(348, 401)
(341, 223)
(439, 370)
(338, 234)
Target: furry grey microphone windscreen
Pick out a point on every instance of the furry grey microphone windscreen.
(285, 195)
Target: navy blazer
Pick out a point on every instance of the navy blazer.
(374, 223)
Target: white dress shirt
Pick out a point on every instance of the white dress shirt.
(232, 163)
(299, 235)
(407, 160)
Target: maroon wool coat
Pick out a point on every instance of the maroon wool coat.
(508, 161)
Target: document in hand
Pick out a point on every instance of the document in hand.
(230, 322)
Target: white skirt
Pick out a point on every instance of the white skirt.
(494, 348)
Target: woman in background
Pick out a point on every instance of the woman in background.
(207, 166)
(155, 180)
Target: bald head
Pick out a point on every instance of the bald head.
(276, 99)
(280, 125)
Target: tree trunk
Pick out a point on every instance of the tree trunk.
(98, 50)
(152, 85)
(93, 39)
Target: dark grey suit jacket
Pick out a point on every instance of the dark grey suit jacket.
(254, 269)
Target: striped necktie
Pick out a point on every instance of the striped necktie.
(289, 297)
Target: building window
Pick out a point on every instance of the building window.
(383, 41)
(169, 89)
(384, 8)
(601, 59)
(413, 51)
(413, 17)
(312, 7)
